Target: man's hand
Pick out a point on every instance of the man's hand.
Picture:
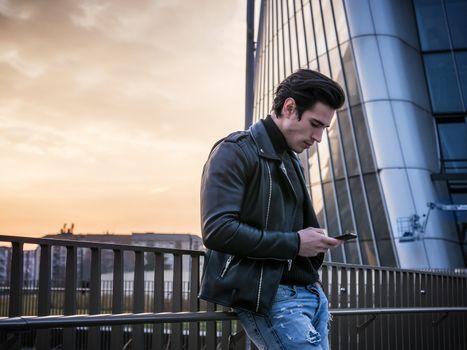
(313, 241)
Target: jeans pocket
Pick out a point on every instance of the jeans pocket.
(285, 292)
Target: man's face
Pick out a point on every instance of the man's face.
(301, 134)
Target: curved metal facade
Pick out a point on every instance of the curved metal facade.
(371, 173)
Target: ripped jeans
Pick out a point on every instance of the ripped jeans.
(298, 320)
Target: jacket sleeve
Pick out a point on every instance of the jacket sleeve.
(224, 181)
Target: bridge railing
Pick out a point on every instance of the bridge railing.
(155, 305)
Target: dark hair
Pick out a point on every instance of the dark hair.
(307, 87)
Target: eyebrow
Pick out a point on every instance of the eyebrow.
(320, 122)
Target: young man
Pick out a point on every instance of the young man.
(264, 242)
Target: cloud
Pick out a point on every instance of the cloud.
(91, 14)
(8, 10)
(90, 77)
(23, 66)
(115, 103)
(91, 141)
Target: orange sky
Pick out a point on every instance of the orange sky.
(108, 110)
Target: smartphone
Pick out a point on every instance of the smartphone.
(346, 236)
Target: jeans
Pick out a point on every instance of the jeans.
(298, 320)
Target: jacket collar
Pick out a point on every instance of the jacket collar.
(262, 141)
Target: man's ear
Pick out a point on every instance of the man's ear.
(289, 107)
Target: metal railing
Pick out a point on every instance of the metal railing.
(372, 307)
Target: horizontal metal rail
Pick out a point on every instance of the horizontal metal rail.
(91, 244)
(394, 310)
(133, 247)
(58, 321)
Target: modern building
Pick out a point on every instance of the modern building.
(393, 164)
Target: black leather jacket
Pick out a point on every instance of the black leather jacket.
(247, 211)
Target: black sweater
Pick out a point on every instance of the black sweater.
(301, 272)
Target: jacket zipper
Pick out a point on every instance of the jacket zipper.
(260, 284)
(284, 170)
(226, 266)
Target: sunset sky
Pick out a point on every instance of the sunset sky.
(108, 110)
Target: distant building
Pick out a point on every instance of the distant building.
(160, 240)
(30, 264)
(31, 258)
(5, 260)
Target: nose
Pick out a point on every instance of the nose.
(317, 134)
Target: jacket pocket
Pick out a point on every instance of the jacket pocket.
(226, 266)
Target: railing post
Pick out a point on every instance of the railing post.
(343, 296)
(384, 331)
(334, 299)
(69, 334)
(411, 318)
(138, 300)
(210, 330)
(116, 340)
(353, 304)
(94, 334)
(176, 335)
(377, 304)
(193, 340)
(16, 281)
(392, 334)
(158, 328)
(462, 289)
(43, 309)
(361, 304)
(370, 330)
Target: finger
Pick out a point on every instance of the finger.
(333, 242)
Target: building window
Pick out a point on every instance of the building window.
(432, 25)
(453, 140)
(443, 83)
(456, 11)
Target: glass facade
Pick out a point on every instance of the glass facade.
(443, 43)
(343, 178)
